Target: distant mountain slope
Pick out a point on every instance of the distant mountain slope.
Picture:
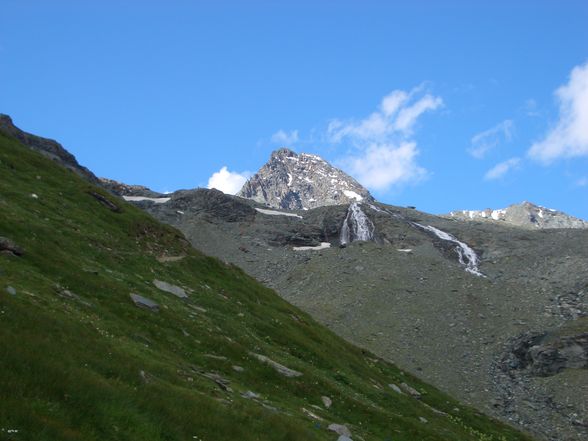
(525, 214)
(113, 328)
(48, 147)
(504, 308)
(300, 182)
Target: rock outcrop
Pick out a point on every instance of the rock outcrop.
(47, 147)
(300, 182)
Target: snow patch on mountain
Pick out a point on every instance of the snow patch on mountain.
(322, 246)
(145, 198)
(277, 213)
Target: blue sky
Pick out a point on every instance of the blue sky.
(443, 105)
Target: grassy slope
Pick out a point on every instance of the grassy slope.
(96, 367)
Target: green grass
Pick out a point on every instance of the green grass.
(96, 367)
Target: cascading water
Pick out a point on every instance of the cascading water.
(467, 256)
(357, 226)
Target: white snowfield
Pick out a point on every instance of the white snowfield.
(379, 210)
(144, 198)
(277, 213)
(353, 195)
(467, 256)
(322, 246)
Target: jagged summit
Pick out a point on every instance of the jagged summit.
(525, 214)
(302, 181)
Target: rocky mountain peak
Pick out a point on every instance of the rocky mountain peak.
(525, 214)
(302, 181)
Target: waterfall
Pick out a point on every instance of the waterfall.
(467, 256)
(357, 226)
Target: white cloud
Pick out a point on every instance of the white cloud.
(499, 170)
(485, 141)
(408, 116)
(569, 137)
(383, 152)
(227, 181)
(381, 165)
(397, 115)
(285, 138)
(582, 182)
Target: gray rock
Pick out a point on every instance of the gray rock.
(250, 395)
(144, 302)
(410, 391)
(395, 388)
(423, 420)
(172, 289)
(122, 189)
(146, 377)
(340, 429)
(326, 401)
(287, 372)
(10, 290)
(238, 368)
(296, 182)
(344, 438)
(9, 247)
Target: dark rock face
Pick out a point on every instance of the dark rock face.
(544, 356)
(300, 182)
(525, 215)
(122, 189)
(48, 147)
(564, 353)
(105, 201)
(7, 246)
(214, 203)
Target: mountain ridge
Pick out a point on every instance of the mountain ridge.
(524, 214)
(114, 327)
(406, 287)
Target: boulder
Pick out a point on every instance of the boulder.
(340, 429)
(9, 247)
(144, 302)
(287, 372)
(172, 289)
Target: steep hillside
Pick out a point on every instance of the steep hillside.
(468, 306)
(113, 327)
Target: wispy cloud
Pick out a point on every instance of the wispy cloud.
(285, 138)
(502, 168)
(383, 152)
(582, 182)
(569, 136)
(531, 108)
(381, 165)
(487, 140)
(227, 181)
(397, 115)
